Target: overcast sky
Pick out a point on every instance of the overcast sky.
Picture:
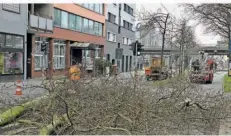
(176, 11)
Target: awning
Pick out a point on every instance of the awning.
(90, 46)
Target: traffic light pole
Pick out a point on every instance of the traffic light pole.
(136, 60)
(136, 56)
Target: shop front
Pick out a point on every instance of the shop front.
(11, 57)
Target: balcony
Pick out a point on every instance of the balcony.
(40, 24)
(40, 18)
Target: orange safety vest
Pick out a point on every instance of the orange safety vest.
(74, 73)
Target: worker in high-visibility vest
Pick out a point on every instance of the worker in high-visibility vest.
(75, 72)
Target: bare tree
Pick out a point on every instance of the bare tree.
(184, 36)
(158, 21)
(215, 17)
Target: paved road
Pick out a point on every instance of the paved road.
(217, 82)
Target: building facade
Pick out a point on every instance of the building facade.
(120, 32)
(13, 37)
(77, 27)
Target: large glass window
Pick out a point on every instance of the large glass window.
(91, 6)
(100, 29)
(75, 22)
(79, 23)
(40, 60)
(86, 5)
(64, 22)
(13, 41)
(71, 24)
(57, 17)
(91, 26)
(101, 8)
(97, 7)
(11, 62)
(59, 54)
(85, 25)
(96, 28)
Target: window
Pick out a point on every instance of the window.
(86, 53)
(39, 59)
(97, 52)
(91, 6)
(127, 25)
(11, 7)
(125, 40)
(79, 22)
(71, 24)
(125, 7)
(59, 54)
(2, 40)
(11, 62)
(111, 37)
(129, 41)
(100, 29)
(130, 26)
(85, 25)
(128, 9)
(96, 28)
(64, 21)
(91, 27)
(13, 41)
(101, 8)
(131, 12)
(75, 22)
(86, 5)
(57, 17)
(97, 8)
(111, 17)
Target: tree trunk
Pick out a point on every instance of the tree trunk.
(163, 40)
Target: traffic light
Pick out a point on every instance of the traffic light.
(139, 48)
(137, 45)
(43, 47)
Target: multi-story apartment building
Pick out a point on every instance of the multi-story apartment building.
(120, 31)
(78, 28)
(13, 36)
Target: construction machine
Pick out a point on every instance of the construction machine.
(156, 71)
(202, 69)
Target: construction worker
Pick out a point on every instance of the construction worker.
(196, 65)
(74, 72)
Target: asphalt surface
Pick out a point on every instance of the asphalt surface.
(217, 82)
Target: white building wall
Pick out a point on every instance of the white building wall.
(114, 9)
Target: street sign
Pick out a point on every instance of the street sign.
(119, 53)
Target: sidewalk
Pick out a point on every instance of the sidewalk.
(7, 92)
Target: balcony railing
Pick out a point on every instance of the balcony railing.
(38, 23)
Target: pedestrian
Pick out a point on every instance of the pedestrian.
(74, 72)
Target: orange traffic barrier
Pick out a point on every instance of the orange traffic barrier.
(18, 88)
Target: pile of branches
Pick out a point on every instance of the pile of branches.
(121, 107)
